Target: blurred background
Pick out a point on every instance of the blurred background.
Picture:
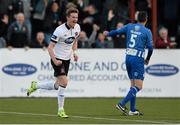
(30, 23)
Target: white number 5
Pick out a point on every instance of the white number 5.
(132, 40)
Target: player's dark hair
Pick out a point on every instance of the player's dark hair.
(71, 10)
(142, 16)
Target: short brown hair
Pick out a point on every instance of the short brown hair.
(71, 10)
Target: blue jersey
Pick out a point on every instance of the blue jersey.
(138, 38)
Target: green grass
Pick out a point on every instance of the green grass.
(87, 111)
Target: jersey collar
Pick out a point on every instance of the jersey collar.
(68, 26)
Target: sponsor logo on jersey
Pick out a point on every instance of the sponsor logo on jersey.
(162, 70)
(19, 69)
(137, 28)
(69, 40)
(76, 33)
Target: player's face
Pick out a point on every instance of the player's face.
(72, 19)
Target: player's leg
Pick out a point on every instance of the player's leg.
(135, 69)
(138, 75)
(137, 87)
(63, 81)
(48, 85)
(132, 100)
(121, 105)
(131, 94)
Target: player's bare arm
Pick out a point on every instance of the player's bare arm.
(74, 48)
(51, 53)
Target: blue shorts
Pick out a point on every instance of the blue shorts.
(135, 67)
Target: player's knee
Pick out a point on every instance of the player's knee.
(139, 84)
(63, 81)
(139, 87)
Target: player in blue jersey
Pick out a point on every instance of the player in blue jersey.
(138, 38)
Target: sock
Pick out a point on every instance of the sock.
(133, 104)
(132, 93)
(47, 85)
(61, 92)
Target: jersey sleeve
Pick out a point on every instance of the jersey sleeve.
(55, 36)
(149, 40)
(118, 31)
(78, 31)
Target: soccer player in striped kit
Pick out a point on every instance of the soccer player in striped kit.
(138, 37)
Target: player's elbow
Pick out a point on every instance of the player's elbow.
(51, 46)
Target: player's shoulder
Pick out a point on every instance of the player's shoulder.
(132, 25)
(148, 30)
(61, 28)
(129, 25)
(144, 28)
(77, 27)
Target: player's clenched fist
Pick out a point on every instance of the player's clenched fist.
(75, 58)
(105, 33)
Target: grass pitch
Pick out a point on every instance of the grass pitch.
(87, 111)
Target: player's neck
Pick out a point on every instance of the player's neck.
(143, 23)
(69, 25)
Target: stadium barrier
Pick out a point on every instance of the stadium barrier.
(98, 73)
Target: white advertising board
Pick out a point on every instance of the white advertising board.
(98, 73)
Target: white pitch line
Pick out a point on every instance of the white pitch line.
(85, 117)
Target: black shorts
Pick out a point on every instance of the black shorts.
(61, 69)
